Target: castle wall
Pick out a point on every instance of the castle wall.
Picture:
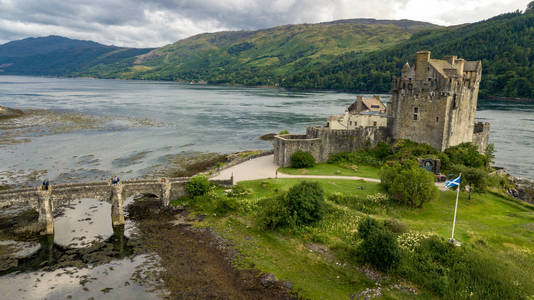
(481, 135)
(287, 144)
(322, 142)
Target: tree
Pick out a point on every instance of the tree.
(408, 184)
(490, 153)
(530, 7)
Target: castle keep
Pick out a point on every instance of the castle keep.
(433, 102)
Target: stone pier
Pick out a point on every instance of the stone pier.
(46, 219)
(117, 213)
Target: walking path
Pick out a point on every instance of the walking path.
(264, 167)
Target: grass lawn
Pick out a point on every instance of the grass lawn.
(487, 222)
(331, 169)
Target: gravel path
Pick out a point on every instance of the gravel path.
(264, 167)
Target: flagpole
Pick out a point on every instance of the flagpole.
(455, 208)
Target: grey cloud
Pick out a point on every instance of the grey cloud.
(153, 23)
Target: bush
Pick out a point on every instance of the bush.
(395, 226)
(465, 154)
(197, 186)
(475, 178)
(274, 212)
(458, 272)
(284, 132)
(302, 205)
(305, 201)
(360, 157)
(301, 159)
(379, 247)
(408, 184)
(224, 205)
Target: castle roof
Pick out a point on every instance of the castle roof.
(441, 66)
(472, 66)
(367, 104)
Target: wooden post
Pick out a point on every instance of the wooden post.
(117, 213)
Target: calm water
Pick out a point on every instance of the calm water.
(142, 121)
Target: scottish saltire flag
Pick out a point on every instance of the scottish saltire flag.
(454, 182)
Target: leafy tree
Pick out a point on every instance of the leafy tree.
(408, 184)
(530, 7)
(301, 159)
(490, 154)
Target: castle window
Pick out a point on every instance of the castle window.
(355, 124)
(415, 110)
(454, 104)
(416, 113)
(437, 119)
(350, 123)
(374, 124)
(415, 117)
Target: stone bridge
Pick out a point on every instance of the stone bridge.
(45, 201)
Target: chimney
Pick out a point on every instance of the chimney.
(460, 66)
(421, 65)
(450, 58)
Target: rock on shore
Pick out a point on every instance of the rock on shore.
(6, 112)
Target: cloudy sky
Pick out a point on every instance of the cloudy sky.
(153, 23)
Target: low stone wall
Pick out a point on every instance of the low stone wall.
(335, 141)
(287, 144)
(322, 142)
(481, 135)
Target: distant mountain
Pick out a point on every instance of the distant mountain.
(354, 54)
(262, 57)
(58, 56)
(505, 44)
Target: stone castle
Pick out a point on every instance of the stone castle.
(433, 102)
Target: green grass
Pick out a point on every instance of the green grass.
(490, 223)
(331, 169)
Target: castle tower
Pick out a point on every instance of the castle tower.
(434, 102)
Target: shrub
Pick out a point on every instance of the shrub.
(459, 272)
(379, 247)
(360, 157)
(366, 227)
(197, 186)
(224, 205)
(465, 154)
(301, 159)
(395, 226)
(274, 212)
(303, 204)
(475, 178)
(305, 201)
(285, 131)
(408, 184)
(406, 149)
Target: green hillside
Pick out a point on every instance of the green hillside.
(58, 56)
(503, 43)
(262, 57)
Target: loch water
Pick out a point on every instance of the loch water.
(130, 126)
